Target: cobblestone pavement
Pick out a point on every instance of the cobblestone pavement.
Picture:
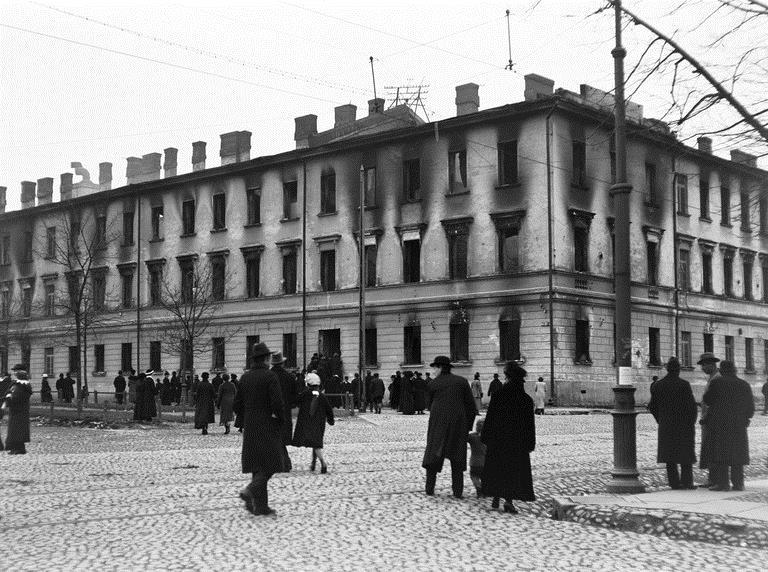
(163, 497)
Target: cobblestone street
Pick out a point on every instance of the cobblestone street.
(165, 497)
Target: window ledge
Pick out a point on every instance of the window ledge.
(461, 363)
(159, 239)
(726, 224)
(583, 362)
(460, 193)
(750, 370)
(252, 225)
(217, 230)
(745, 229)
(686, 215)
(291, 219)
(188, 235)
(705, 218)
(412, 365)
(654, 366)
(504, 186)
(410, 201)
(370, 207)
(99, 374)
(126, 244)
(331, 213)
(579, 186)
(687, 368)
(376, 365)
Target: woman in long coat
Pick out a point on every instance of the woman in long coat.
(205, 398)
(477, 391)
(406, 394)
(314, 412)
(730, 407)
(45, 391)
(451, 416)
(419, 394)
(150, 391)
(509, 434)
(17, 403)
(226, 401)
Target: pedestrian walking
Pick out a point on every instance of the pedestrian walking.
(730, 407)
(394, 393)
(166, 391)
(406, 394)
(205, 397)
(419, 394)
(133, 381)
(17, 404)
(84, 393)
(216, 382)
(259, 402)
(68, 385)
(368, 401)
(708, 363)
(314, 411)
(119, 383)
(673, 406)
(539, 396)
(225, 401)
(477, 391)
(45, 390)
(477, 451)
(150, 392)
(452, 415)
(289, 392)
(509, 434)
(176, 388)
(495, 385)
(765, 398)
(377, 392)
(60, 388)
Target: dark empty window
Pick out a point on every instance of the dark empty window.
(28, 246)
(709, 343)
(509, 339)
(749, 354)
(128, 228)
(289, 272)
(582, 342)
(747, 266)
(157, 222)
(26, 302)
(250, 341)
(685, 349)
(369, 180)
(411, 261)
(581, 249)
(253, 205)
(706, 272)
(459, 340)
(126, 357)
(290, 200)
(73, 362)
(50, 300)
(684, 269)
(730, 349)
(188, 217)
(252, 264)
(457, 171)
(725, 206)
(289, 349)
(154, 356)
(579, 168)
(5, 255)
(328, 270)
(508, 163)
(218, 277)
(745, 218)
(328, 193)
(457, 255)
(127, 290)
(412, 344)
(509, 249)
(681, 187)
(704, 197)
(371, 357)
(99, 286)
(187, 355)
(219, 211)
(651, 191)
(155, 284)
(654, 346)
(218, 353)
(100, 234)
(764, 271)
(98, 358)
(763, 213)
(187, 268)
(370, 265)
(728, 274)
(412, 179)
(652, 257)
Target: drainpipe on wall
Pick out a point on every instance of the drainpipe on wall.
(304, 262)
(675, 257)
(138, 282)
(550, 269)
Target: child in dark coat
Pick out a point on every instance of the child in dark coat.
(477, 456)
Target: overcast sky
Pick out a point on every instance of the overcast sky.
(93, 82)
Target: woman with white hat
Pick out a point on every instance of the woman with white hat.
(314, 411)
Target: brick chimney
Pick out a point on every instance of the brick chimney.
(170, 164)
(27, 194)
(198, 155)
(65, 190)
(133, 170)
(467, 98)
(243, 146)
(704, 144)
(150, 167)
(105, 176)
(537, 86)
(2, 199)
(739, 156)
(228, 151)
(375, 106)
(306, 126)
(345, 114)
(44, 191)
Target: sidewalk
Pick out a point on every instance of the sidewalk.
(737, 517)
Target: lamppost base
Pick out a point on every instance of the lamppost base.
(621, 485)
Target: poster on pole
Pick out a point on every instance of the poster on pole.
(625, 376)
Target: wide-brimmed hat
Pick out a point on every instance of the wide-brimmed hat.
(277, 359)
(707, 357)
(19, 367)
(513, 369)
(260, 349)
(312, 379)
(440, 361)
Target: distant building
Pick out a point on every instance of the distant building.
(488, 237)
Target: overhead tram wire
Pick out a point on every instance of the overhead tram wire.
(169, 64)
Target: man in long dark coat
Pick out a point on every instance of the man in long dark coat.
(708, 362)
(452, 414)
(259, 401)
(119, 384)
(509, 434)
(17, 403)
(140, 405)
(69, 388)
(674, 408)
(205, 399)
(150, 391)
(290, 393)
(731, 406)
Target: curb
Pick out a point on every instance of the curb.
(668, 523)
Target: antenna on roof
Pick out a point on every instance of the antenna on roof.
(510, 65)
(373, 75)
(410, 95)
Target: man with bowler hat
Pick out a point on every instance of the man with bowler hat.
(674, 408)
(708, 363)
(451, 417)
(259, 402)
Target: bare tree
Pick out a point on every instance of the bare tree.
(192, 304)
(80, 245)
(14, 322)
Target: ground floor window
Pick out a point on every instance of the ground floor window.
(509, 340)
(126, 357)
(459, 333)
(218, 353)
(582, 342)
(289, 349)
(74, 361)
(412, 344)
(685, 349)
(370, 347)
(154, 356)
(98, 357)
(49, 363)
(654, 346)
(250, 341)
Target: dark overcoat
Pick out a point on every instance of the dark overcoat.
(150, 406)
(377, 389)
(314, 411)
(289, 390)
(730, 406)
(406, 395)
(140, 405)
(204, 405)
(451, 416)
(674, 408)
(419, 394)
(226, 402)
(509, 434)
(705, 441)
(18, 415)
(259, 403)
(45, 392)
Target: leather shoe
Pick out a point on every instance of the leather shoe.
(247, 496)
(735, 488)
(719, 488)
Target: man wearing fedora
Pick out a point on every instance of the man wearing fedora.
(674, 408)
(451, 417)
(708, 362)
(259, 403)
(290, 394)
